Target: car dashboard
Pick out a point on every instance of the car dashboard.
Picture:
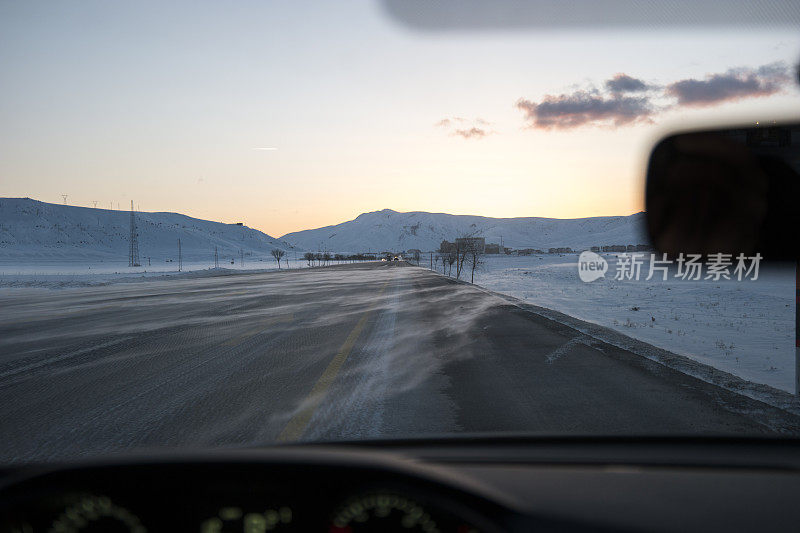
(251, 491)
(447, 486)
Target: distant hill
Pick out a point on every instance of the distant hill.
(389, 230)
(33, 230)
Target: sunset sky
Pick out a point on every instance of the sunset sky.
(294, 115)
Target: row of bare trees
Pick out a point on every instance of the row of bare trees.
(325, 258)
(465, 255)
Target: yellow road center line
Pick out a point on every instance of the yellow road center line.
(297, 425)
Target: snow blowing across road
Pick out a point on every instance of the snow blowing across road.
(746, 328)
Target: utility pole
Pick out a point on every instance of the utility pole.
(64, 196)
(241, 260)
(216, 258)
(180, 256)
(133, 255)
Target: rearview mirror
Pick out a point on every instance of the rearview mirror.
(726, 191)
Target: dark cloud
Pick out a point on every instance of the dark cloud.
(583, 108)
(626, 100)
(472, 133)
(734, 84)
(622, 83)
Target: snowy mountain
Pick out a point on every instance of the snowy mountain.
(389, 230)
(33, 230)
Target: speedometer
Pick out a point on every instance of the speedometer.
(382, 512)
(96, 513)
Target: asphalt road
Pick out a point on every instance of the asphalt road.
(379, 350)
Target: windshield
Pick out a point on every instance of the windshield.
(246, 223)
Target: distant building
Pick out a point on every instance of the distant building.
(528, 251)
(566, 250)
(464, 243)
(619, 248)
(447, 247)
(615, 248)
(492, 248)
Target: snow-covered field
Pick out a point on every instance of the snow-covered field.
(744, 327)
(63, 274)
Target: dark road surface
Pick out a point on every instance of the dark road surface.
(350, 352)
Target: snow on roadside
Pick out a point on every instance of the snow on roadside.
(744, 327)
(67, 274)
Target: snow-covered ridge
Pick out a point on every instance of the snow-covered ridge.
(31, 230)
(389, 230)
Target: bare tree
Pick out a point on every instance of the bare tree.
(461, 250)
(277, 254)
(473, 256)
(309, 257)
(451, 258)
(436, 262)
(466, 247)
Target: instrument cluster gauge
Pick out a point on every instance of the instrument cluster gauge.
(95, 514)
(389, 513)
(241, 520)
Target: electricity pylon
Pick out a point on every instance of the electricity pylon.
(133, 255)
